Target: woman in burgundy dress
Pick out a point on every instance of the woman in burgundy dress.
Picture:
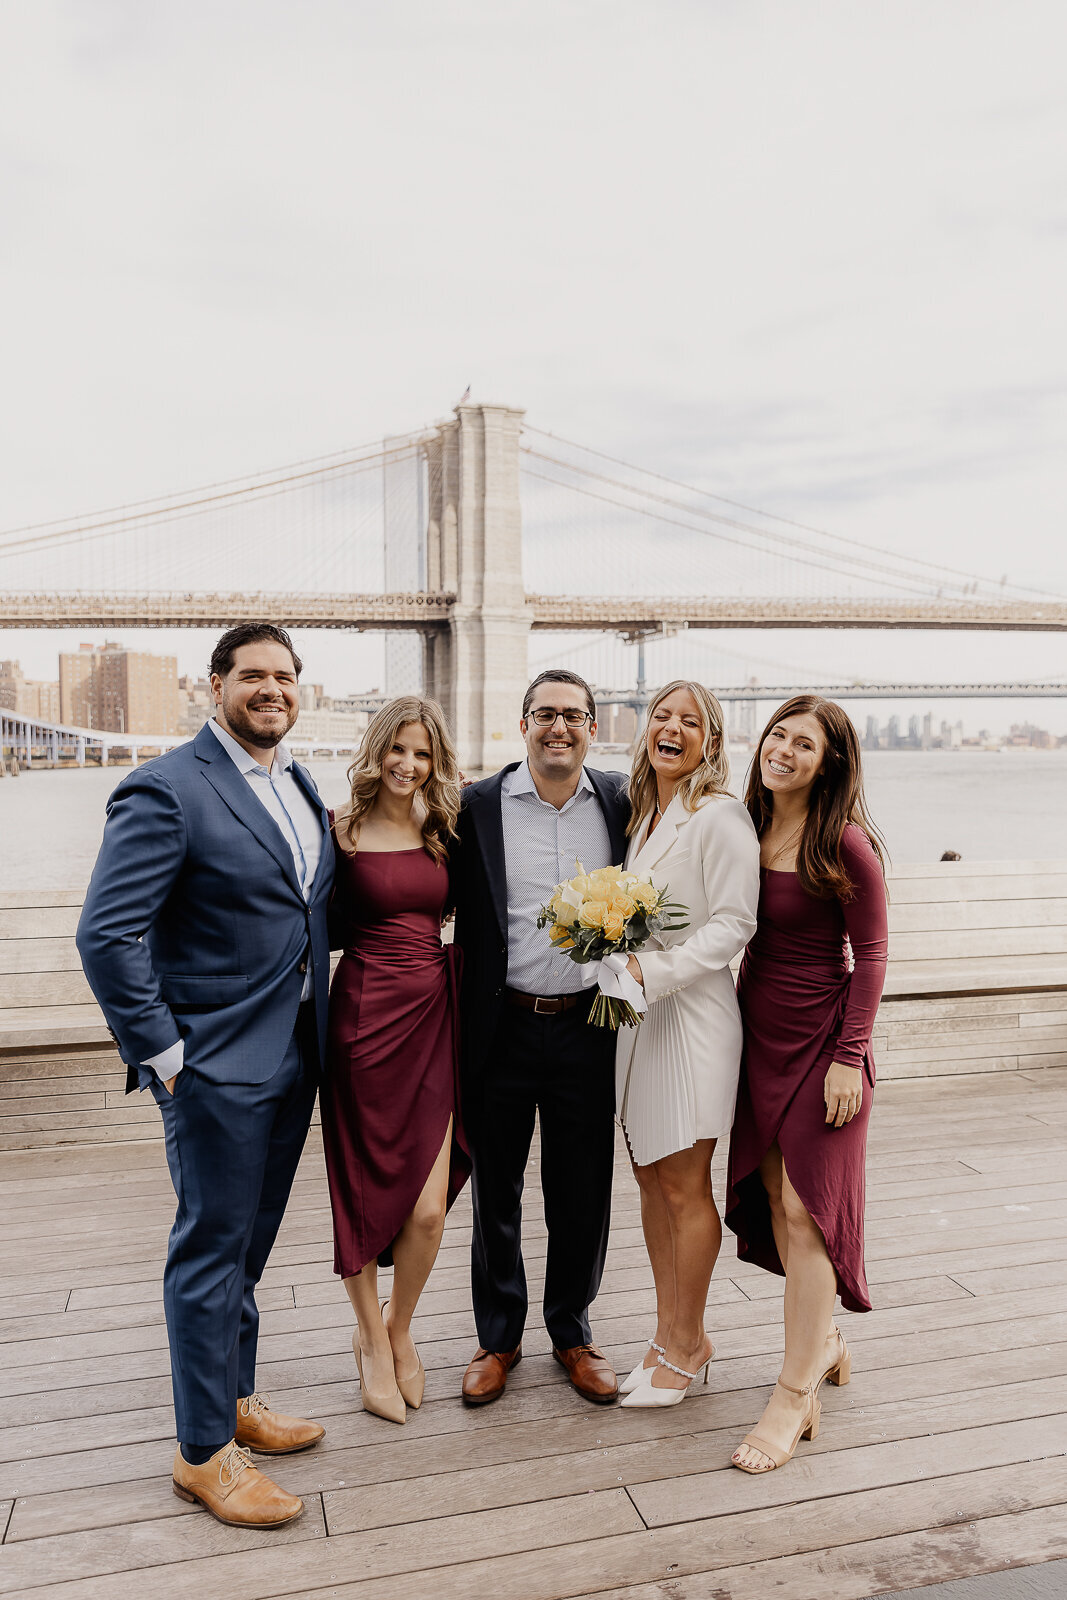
(797, 1150)
(395, 1153)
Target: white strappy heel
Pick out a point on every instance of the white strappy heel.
(645, 1395)
(641, 1374)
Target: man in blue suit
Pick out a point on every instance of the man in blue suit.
(203, 937)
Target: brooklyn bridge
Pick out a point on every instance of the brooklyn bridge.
(469, 536)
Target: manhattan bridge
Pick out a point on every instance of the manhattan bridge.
(485, 548)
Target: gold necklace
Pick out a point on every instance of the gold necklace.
(793, 837)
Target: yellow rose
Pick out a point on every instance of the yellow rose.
(602, 890)
(646, 895)
(560, 936)
(567, 915)
(592, 914)
(580, 884)
(614, 925)
(624, 905)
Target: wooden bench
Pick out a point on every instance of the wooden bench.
(977, 983)
(977, 977)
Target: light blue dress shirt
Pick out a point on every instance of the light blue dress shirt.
(300, 822)
(541, 848)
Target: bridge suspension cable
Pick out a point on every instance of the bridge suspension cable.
(946, 575)
(166, 509)
(893, 578)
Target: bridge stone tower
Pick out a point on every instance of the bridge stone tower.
(478, 670)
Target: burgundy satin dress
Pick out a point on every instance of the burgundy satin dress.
(391, 1058)
(801, 1009)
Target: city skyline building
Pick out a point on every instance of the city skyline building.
(118, 690)
(29, 697)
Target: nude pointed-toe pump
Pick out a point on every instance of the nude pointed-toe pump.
(412, 1388)
(389, 1406)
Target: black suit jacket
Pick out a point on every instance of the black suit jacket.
(479, 893)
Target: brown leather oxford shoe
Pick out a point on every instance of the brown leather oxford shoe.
(270, 1433)
(590, 1371)
(234, 1491)
(486, 1377)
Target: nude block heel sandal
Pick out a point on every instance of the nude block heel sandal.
(840, 1372)
(809, 1429)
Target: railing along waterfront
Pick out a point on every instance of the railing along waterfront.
(977, 983)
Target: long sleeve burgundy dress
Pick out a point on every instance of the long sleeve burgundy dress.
(801, 1009)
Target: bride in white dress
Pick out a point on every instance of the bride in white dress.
(676, 1074)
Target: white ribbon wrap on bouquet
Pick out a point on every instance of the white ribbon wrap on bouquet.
(616, 981)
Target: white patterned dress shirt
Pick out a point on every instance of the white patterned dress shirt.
(541, 847)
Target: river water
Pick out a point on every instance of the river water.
(988, 805)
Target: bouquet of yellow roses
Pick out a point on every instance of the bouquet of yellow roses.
(600, 918)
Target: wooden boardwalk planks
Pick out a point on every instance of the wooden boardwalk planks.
(945, 1456)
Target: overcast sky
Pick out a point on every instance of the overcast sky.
(809, 255)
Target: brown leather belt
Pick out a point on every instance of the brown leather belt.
(546, 1005)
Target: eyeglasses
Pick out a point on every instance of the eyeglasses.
(544, 717)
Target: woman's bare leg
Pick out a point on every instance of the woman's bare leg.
(696, 1236)
(414, 1253)
(810, 1290)
(656, 1227)
(377, 1355)
(770, 1171)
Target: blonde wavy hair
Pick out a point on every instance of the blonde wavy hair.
(439, 795)
(712, 776)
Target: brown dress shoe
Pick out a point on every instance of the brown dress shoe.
(590, 1372)
(270, 1433)
(232, 1489)
(487, 1375)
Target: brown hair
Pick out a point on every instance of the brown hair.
(559, 675)
(439, 794)
(249, 633)
(835, 799)
(712, 776)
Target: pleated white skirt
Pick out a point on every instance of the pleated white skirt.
(673, 1084)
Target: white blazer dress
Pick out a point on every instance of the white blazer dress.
(676, 1073)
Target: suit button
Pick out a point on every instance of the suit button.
(303, 966)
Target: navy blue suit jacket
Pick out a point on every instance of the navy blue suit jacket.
(195, 926)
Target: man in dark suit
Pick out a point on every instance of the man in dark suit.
(527, 1047)
(203, 937)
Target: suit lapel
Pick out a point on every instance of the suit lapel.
(232, 787)
(616, 809)
(323, 874)
(673, 820)
(488, 825)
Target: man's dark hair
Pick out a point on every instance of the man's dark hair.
(559, 675)
(249, 633)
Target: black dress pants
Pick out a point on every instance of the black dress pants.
(563, 1071)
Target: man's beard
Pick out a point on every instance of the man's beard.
(263, 738)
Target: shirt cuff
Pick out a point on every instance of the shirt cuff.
(169, 1062)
